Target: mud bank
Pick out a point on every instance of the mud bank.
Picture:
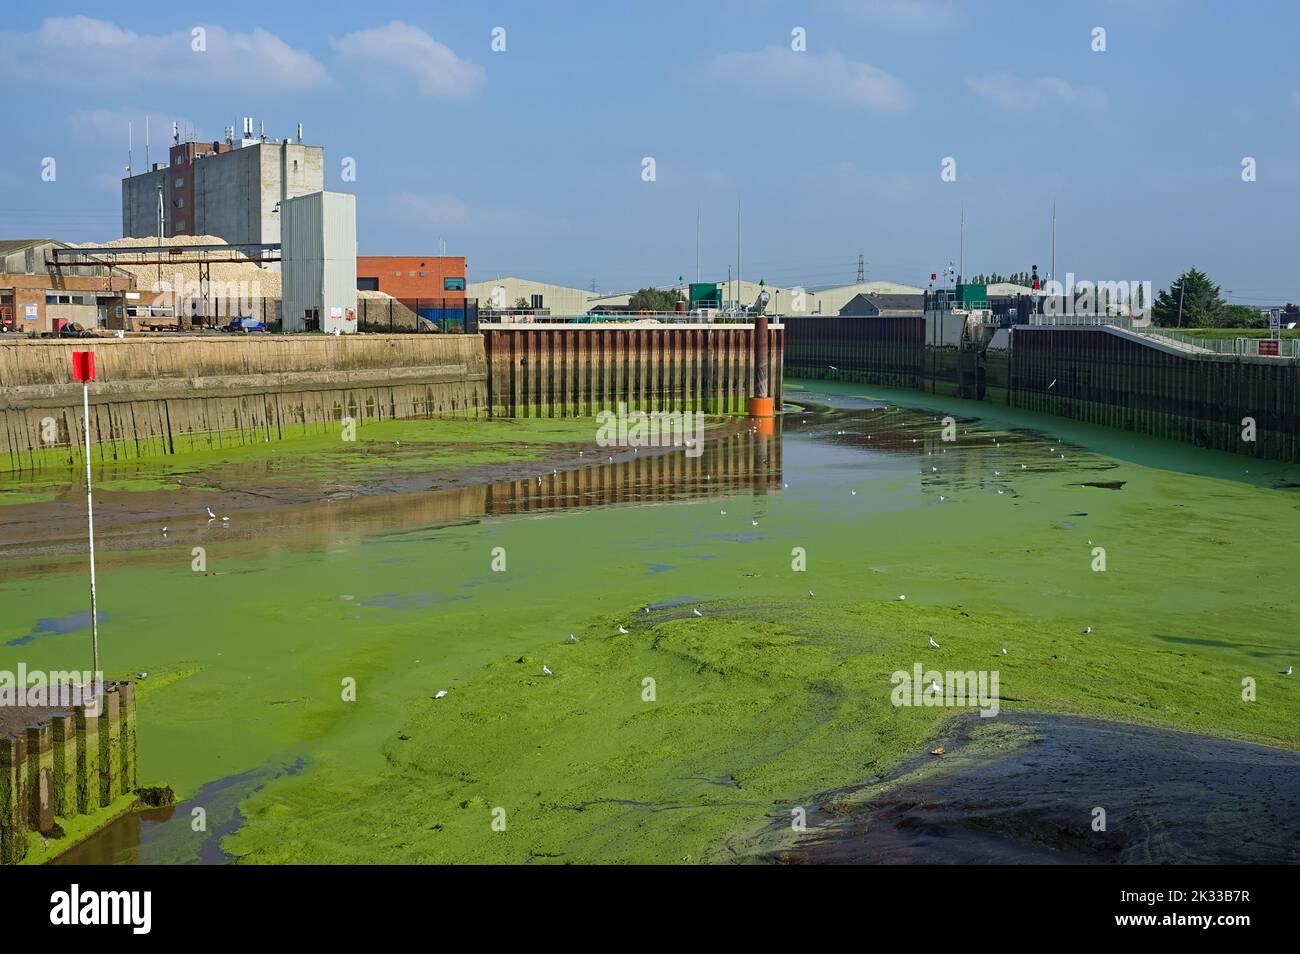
(1036, 788)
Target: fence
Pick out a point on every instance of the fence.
(418, 315)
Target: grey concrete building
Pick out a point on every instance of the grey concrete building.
(230, 189)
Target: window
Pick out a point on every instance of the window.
(410, 274)
(421, 274)
(179, 203)
(537, 301)
(367, 284)
(180, 182)
(453, 284)
(180, 225)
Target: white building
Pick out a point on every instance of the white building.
(319, 252)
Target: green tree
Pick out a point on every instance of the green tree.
(655, 299)
(1243, 316)
(1201, 306)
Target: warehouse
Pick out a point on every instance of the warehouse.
(36, 297)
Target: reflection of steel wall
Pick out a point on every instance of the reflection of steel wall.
(739, 463)
(887, 351)
(553, 370)
(1092, 375)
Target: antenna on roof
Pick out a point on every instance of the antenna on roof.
(128, 148)
(146, 142)
(862, 269)
(176, 132)
(262, 129)
(300, 134)
(248, 127)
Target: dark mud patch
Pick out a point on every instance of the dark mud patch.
(1025, 788)
(1104, 484)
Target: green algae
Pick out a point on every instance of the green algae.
(766, 700)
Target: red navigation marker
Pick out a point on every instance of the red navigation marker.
(83, 365)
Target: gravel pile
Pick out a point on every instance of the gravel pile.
(146, 276)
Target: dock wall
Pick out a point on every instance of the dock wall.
(159, 396)
(1096, 374)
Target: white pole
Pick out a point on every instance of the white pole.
(90, 523)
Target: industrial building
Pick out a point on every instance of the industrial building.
(231, 188)
(38, 297)
(319, 255)
(413, 276)
(877, 305)
(829, 301)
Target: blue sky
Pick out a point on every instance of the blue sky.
(529, 161)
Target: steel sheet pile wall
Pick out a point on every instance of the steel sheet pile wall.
(581, 370)
(888, 351)
(157, 396)
(1092, 374)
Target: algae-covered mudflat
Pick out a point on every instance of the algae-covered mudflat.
(721, 632)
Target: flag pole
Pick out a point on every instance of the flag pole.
(83, 370)
(90, 524)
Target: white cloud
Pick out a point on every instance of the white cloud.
(1011, 92)
(907, 14)
(85, 51)
(825, 77)
(400, 52)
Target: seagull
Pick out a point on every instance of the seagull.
(810, 594)
(1004, 650)
(142, 675)
(697, 612)
(211, 515)
(225, 520)
(546, 670)
(901, 598)
(572, 638)
(933, 644)
(1288, 671)
(853, 492)
(164, 530)
(647, 610)
(754, 522)
(623, 630)
(935, 687)
(1087, 630)
(440, 693)
(832, 367)
(942, 498)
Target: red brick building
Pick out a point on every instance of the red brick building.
(413, 276)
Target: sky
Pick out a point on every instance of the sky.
(518, 134)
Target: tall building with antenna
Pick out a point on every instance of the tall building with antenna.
(230, 187)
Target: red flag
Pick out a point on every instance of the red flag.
(83, 365)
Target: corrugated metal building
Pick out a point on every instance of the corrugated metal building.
(319, 252)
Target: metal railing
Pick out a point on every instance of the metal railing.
(1286, 347)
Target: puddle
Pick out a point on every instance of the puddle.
(57, 626)
(166, 835)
